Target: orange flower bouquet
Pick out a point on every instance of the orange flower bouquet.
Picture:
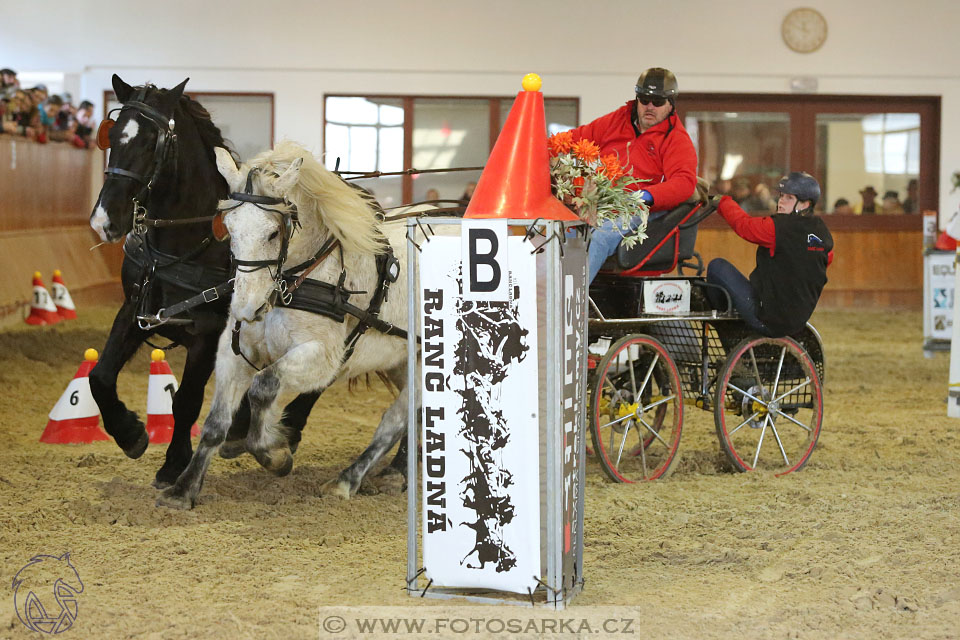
(596, 188)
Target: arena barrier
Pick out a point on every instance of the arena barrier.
(501, 307)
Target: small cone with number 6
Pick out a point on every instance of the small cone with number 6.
(42, 309)
(75, 419)
(160, 392)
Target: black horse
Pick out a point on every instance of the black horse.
(161, 189)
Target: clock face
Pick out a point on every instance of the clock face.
(804, 30)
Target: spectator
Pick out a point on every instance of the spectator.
(431, 194)
(891, 203)
(467, 193)
(842, 206)
(20, 116)
(85, 121)
(868, 204)
(910, 205)
(9, 84)
(759, 200)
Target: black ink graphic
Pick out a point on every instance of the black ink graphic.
(491, 340)
(45, 594)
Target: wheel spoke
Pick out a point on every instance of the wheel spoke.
(763, 431)
(773, 427)
(653, 432)
(796, 388)
(756, 370)
(623, 441)
(633, 378)
(747, 421)
(747, 394)
(796, 422)
(776, 380)
(617, 421)
(658, 403)
(643, 451)
(646, 378)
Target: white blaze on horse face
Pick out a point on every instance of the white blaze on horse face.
(99, 220)
(250, 230)
(129, 131)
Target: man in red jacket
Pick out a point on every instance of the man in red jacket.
(651, 144)
(792, 260)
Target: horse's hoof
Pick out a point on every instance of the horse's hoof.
(337, 488)
(166, 476)
(233, 449)
(161, 484)
(277, 461)
(391, 482)
(136, 450)
(169, 498)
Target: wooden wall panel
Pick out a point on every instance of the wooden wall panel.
(871, 268)
(43, 185)
(45, 202)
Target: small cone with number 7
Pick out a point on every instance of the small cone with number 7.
(42, 309)
(160, 392)
(75, 419)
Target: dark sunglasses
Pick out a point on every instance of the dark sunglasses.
(657, 102)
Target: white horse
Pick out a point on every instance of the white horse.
(285, 207)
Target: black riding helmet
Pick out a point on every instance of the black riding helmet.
(802, 185)
(657, 82)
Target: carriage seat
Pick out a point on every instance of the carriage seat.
(670, 239)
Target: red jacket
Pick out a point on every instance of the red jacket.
(756, 229)
(663, 154)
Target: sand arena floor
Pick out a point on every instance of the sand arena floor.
(863, 543)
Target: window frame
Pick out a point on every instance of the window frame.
(803, 111)
(493, 102)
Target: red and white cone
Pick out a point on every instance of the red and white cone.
(42, 309)
(160, 392)
(61, 298)
(75, 419)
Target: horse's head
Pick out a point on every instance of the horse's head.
(142, 144)
(261, 221)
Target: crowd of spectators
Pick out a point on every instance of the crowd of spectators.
(37, 115)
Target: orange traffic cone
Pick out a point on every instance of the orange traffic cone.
(62, 299)
(42, 309)
(516, 180)
(160, 392)
(75, 419)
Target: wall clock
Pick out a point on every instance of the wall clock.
(804, 30)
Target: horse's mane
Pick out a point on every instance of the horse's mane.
(209, 133)
(324, 197)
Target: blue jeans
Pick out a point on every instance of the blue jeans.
(721, 272)
(604, 242)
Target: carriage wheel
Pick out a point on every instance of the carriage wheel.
(636, 410)
(768, 405)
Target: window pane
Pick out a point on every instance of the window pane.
(742, 154)
(449, 133)
(865, 157)
(366, 134)
(560, 113)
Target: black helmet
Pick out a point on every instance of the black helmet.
(802, 185)
(657, 82)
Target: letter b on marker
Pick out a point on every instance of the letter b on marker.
(485, 270)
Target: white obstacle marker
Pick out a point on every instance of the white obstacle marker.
(503, 382)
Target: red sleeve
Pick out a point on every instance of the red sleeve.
(679, 172)
(830, 258)
(760, 230)
(595, 130)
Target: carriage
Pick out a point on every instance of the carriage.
(658, 348)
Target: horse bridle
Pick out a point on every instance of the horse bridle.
(166, 144)
(290, 224)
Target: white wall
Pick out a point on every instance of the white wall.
(592, 50)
